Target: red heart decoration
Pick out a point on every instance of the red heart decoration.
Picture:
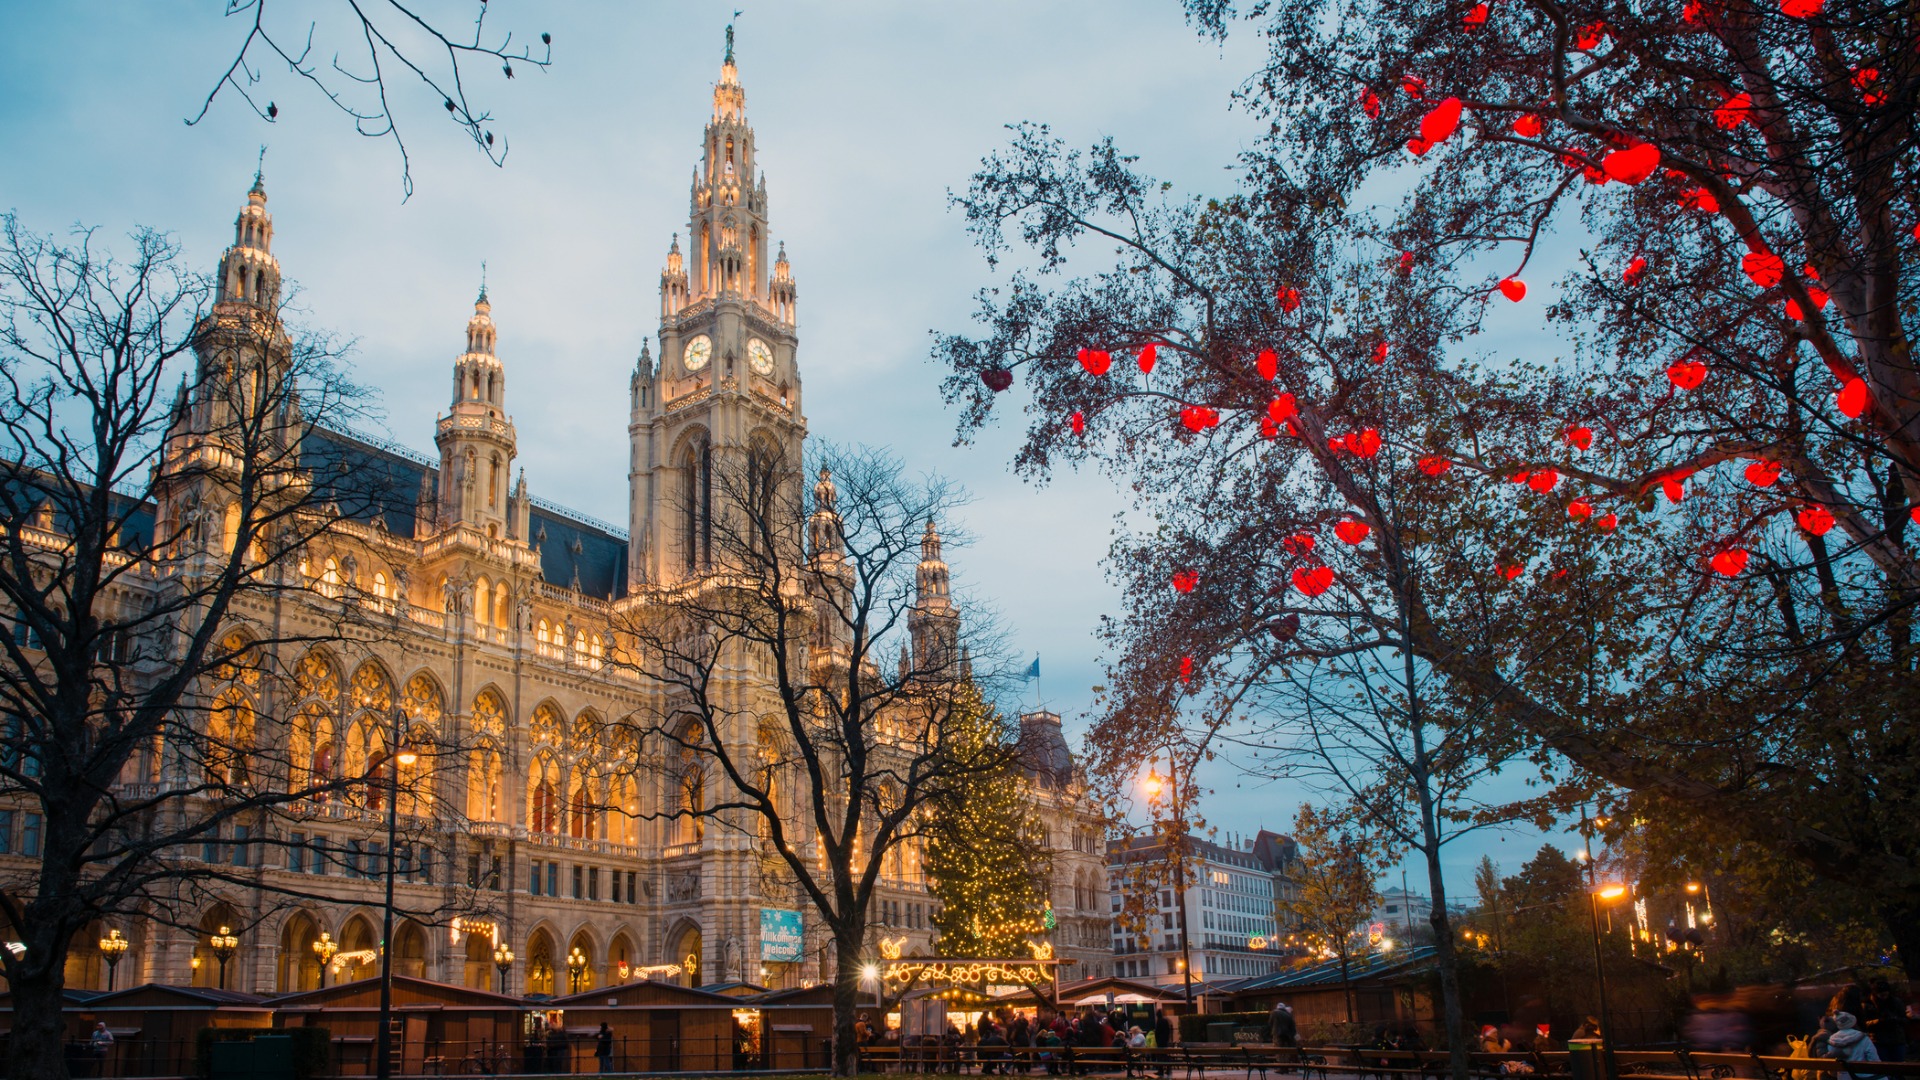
(1764, 267)
(1915, 515)
(1096, 361)
(1595, 174)
(1413, 85)
(1351, 531)
(1475, 16)
(1337, 444)
(1281, 407)
(1510, 570)
(1631, 275)
(1589, 36)
(1526, 125)
(1268, 364)
(1365, 442)
(1700, 199)
(1731, 561)
(1695, 12)
(1519, 478)
(1313, 580)
(1298, 544)
(1580, 509)
(1149, 353)
(1673, 490)
(1686, 374)
(1544, 480)
(1289, 299)
(1186, 580)
(1513, 289)
(1815, 519)
(1441, 121)
(1269, 429)
(1369, 103)
(1801, 9)
(1580, 438)
(1792, 308)
(1380, 352)
(1407, 257)
(1763, 473)
(1634, 164)
(1852, 398)
(1865, 77)
(1199, 417)
(1186, 669)
(1606, 522)
(997, 379)
(1818, 296)
(1418, 147)
(1733, 112)
(1078, 423)
(1434, 465)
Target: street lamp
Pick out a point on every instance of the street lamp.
(224, 945)
(503, 959)
(324, 947)
(404, 755)
(576, 969)
(1178, 838)
(112, 948)
(1609, 893)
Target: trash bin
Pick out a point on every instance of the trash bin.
(1586, 1059)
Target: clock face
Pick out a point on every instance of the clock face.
(699, 352)
(760, 357)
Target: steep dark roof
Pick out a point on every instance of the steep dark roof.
(1043, 749)
(382, 480)
(1372, 966)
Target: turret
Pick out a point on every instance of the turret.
(934, 623)
(249, 274)
(476, 437)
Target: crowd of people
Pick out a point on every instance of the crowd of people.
(1007, 1042)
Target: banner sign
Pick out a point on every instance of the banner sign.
(780, 939)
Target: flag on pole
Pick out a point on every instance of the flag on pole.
(1033, 672)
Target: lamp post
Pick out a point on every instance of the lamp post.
(576, 969)
(1608, 893)
(112, 948)
(403, 755)
(224, 945)
(1178, 839)
(503, 959)
(325, 947)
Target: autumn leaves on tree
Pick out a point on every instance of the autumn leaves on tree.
(1671, 544)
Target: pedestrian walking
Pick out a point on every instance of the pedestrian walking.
(603, 1047)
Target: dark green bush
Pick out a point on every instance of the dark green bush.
(312, 1047)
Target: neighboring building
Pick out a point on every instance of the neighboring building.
(1074, 837)
(1230, 912)
(498, 613)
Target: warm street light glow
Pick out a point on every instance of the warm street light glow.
(870, 972)
(408, 755)
(1152, 784)
(1610, 892)
(1693, 886)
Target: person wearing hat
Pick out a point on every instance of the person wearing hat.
(1491, 1041)
(1849, 1045)
(1281, 1027)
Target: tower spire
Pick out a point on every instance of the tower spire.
(476, 438)
(248, 272)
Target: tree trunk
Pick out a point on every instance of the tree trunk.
(846, 1002)
(1448, 956)
(1346, 987)
(38, 1047)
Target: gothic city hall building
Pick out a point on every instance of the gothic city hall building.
(486, 622)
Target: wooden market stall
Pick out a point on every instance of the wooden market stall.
(155, 1026)
(656, 1026)
(439, 1025)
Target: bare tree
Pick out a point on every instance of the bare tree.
(782, 714)
(375, 43)
(151, 552)
(1336, 872)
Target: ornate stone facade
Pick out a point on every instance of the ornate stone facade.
(488, 619)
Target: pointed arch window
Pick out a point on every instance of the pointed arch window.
(696, 527)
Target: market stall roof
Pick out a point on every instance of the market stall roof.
(641, 993)
(411, 993)
(1359, 969)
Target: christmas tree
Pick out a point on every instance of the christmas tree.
(986, 855)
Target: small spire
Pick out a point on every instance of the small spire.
(729, 57)
(483, 284)
(260, 173)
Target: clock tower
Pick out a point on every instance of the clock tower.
(725, 389)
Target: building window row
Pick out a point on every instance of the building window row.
(545, 878)
(910, 916)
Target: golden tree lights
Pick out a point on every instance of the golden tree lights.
(986, 848)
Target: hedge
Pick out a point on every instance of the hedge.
(1194, 1028)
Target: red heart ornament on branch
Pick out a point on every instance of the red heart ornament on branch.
(1606, 522)
(1434, 465)
(1186, 669)
(1149, 354)
(1413, 86)
(1281, 407)
(1544, 480)
(1733, 112)
(1763, 473)
(1852, 398)
(1526, 125)
(1312, 580)
(997, 379)
(1817, 520)
(1289, 299)
(1590, 36)
(1580, 438)
(1475, 16)
(1580, 509)
(1441, 121)
(1763, 267)
(1673, 490)
(1365, 442)
(1513, 289)
(1700, 199)
(1297, 544)
(1268, 364)
(1370, 103)
(1686, 374)
(1418, 147)
(1632, 165)
(1380, 352)
(1631, 275)
(1078, 423)
(1801, 9)
(1185, 580)
(1510, 570)
(1096, 361)
(1351, 531)
(1199, 417)
(1730, 562)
